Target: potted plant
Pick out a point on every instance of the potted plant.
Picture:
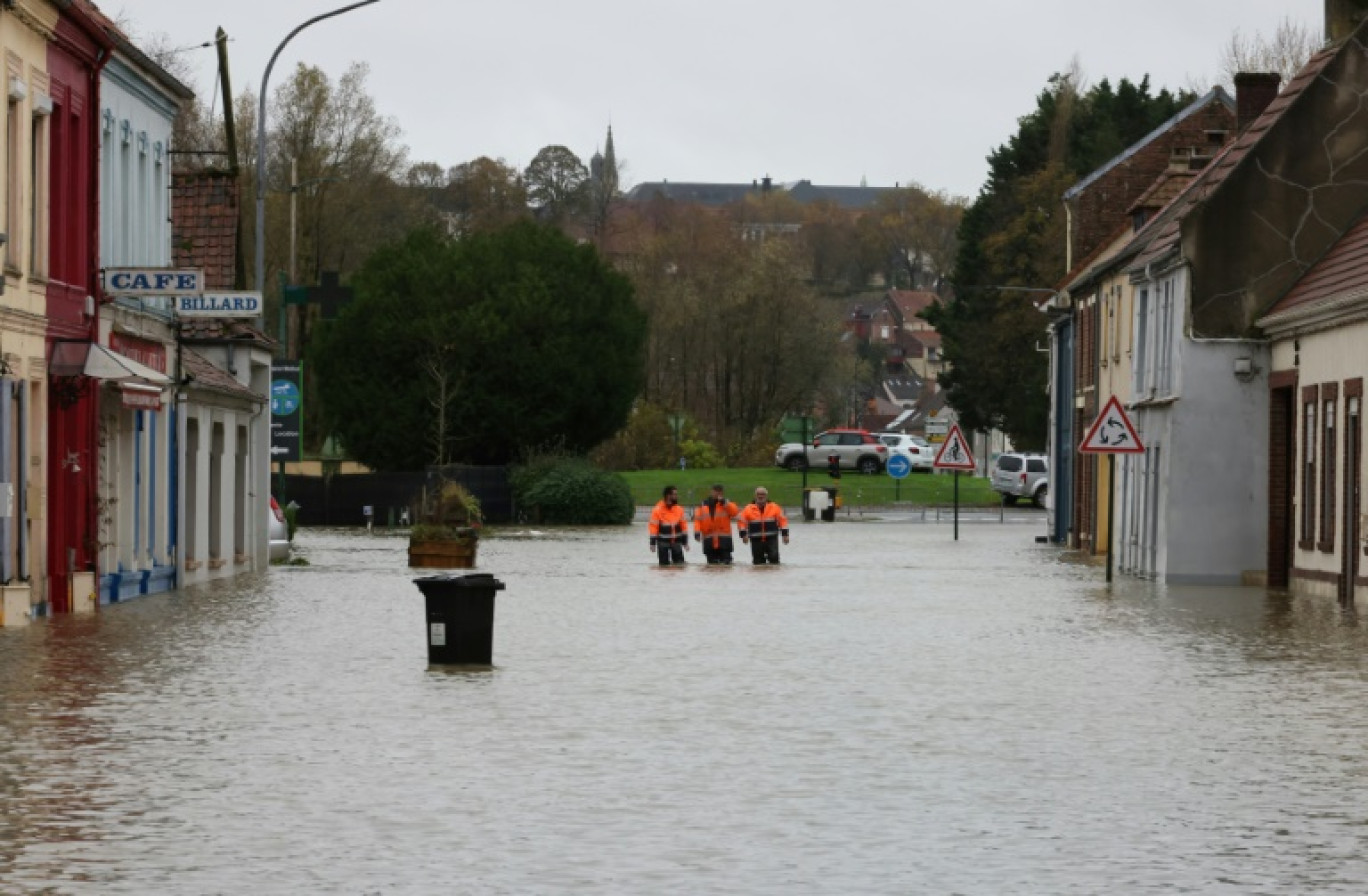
(447, 530)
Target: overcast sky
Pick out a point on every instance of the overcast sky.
(885, 91)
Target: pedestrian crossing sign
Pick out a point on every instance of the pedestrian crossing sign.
(1112, 432)
(954, 452)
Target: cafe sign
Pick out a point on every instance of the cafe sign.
(152, 282)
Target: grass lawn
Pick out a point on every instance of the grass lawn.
(856, 490)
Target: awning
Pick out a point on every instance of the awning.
(94, 360)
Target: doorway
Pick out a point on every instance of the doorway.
(1282, 452)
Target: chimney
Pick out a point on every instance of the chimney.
(1253, 92)
(1342, 17)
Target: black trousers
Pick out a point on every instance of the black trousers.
(765, 550)
(669, 552)
(720, 554)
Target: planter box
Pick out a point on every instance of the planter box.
(14, 605)
(442, 554)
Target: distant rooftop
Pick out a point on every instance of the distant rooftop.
(715, 194)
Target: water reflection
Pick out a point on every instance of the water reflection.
(891, 711)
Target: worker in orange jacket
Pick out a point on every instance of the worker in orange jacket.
(763, 523)
(713, 526)
(668, 528)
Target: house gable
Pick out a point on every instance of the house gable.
(1295, 181)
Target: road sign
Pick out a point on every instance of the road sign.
(954, 453)
(286, 411)
(898, 466)
(1112, 432)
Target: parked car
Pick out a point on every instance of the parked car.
(918, 451)
(855, 449)
(278, 533)
(1022, 476)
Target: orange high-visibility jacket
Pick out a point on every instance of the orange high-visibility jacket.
(763, 524)
(715, 522)
(668, 524)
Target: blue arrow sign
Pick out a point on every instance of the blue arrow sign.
(898, 466)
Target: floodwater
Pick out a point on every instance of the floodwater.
(892, 711)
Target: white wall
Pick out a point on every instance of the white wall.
(1216, 516)
(135, 170)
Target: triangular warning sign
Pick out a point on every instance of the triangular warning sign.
(1112, 432)
(954, 452)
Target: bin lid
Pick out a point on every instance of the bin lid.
(464, 580)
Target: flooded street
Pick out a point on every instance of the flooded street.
(889, 712)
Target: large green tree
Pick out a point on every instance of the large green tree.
(479, 349)
(1011, 249)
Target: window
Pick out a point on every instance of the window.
(1141, 342)
(38, 189)
(1164, 338)
(1035, 465)
(14, 186)
(1116, 323)
(1009, 463)
(1329, 396)
(1308, 453)
(1104, 331)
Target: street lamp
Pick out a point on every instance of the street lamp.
(261, 144)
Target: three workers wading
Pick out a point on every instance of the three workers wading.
(761, 525)
(668, 528)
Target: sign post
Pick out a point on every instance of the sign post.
(898, 467)
(287, 415)
(1111, 434)
(954, 454)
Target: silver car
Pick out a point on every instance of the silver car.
(1022, 476)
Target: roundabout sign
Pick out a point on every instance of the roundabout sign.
(898, 466)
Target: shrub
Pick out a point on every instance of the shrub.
(645, 443)
(699, 454)
(572, 492)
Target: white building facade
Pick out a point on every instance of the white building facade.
(137, 487)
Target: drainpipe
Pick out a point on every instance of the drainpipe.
(7, 524)
(178, 505)
(21, 499)
(1068, 237)
(93, 266)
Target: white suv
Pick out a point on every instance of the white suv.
(1022, 476)
(916, 449)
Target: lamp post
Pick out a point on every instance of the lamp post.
(261, 143)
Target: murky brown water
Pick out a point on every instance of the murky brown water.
(890, 712)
